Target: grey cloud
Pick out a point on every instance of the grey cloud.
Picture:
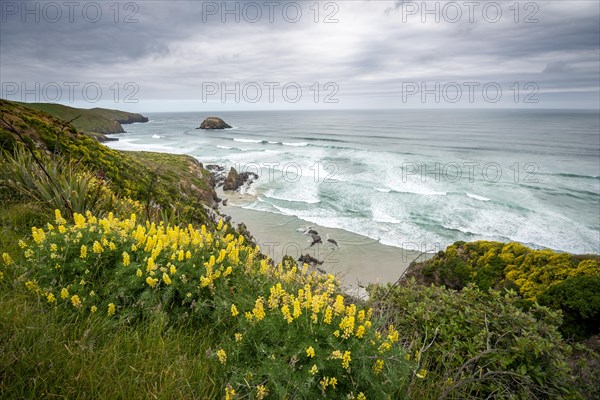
(172, 50)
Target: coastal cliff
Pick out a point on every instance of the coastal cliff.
(95, 122)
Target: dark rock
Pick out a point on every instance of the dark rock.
(316, 239)
(214, 123)
(232, 180)
(310, 260)
(225, 202)
(235, 181)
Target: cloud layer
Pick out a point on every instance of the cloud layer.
(182, 55)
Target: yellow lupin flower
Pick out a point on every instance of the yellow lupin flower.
(93, 309)
(38, 235)
(261, 392)
(79, 220)
(238, 337)
(347, 326)
(327, 381)
(361, 396)
(64, 293)
(310, 352)
(378, 366)
(385, 346)
(51, 298)
(112, 309)
(32, 286)
(76, 301)
(328, 315)
(259, 311)
(234, 311)
(126, 259)
(339, 305)
(222, 356)
(229, 392)
(360, 331)
(297, 308)
(393, 335)
(361, 316)
(166, 279)
(151, 281)
(97, 247)
(6, 259)
(83, 251)
(150, 266)
(285, 311)
(422, 373)
(313, 370)
(346, 358)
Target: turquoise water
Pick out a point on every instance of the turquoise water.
(409, 178)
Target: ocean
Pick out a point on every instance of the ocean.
(416, 179)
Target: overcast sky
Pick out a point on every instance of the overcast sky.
(204, 56)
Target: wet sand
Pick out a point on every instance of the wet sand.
(357, 260)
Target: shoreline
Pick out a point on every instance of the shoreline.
(357, 260)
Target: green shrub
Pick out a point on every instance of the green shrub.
(511, 266)
(476, 344)
(579, 299)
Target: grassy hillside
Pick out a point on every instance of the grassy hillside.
(148, 177)
(95, 120)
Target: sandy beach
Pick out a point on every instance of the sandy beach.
(357, 260)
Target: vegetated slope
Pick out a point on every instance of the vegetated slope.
(563, 281)
(95, 120)
(146, 177)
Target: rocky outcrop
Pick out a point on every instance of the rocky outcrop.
(217, 173)
(232, 180)
(132, 118)
(214, 123)
(310, 260)
(235, 181)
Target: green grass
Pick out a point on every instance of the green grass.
(97, 120)
(49, 354)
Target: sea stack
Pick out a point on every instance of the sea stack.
(235, 181)
(214, 123)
